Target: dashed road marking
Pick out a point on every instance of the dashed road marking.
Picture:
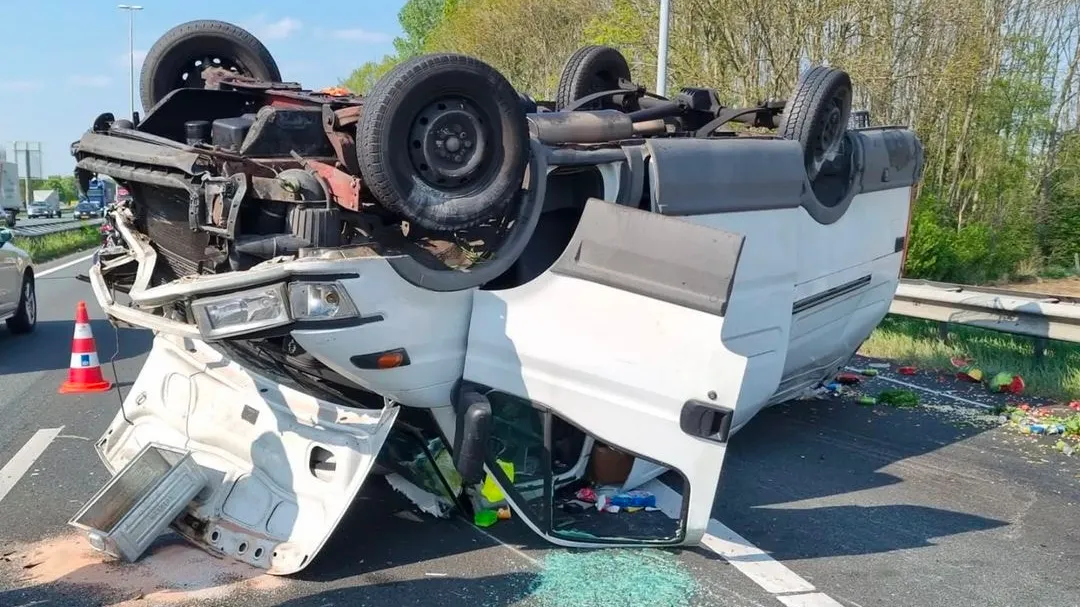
(765, 571)
(25, 458)
(65, 265)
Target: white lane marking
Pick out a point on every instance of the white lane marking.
(751, 561)
(513, 549)
(25, 458)
(813, 599)
(930, 390)
(64, 266)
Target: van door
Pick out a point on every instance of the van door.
(621, 340)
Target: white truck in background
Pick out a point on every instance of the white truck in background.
(10, 200)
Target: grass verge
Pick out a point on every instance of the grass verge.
(51, 246)
(915, 342)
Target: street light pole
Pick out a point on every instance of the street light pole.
(131, 8)
(661, 48)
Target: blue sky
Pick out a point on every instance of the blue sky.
(66, 61)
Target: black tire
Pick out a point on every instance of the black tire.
(25, 319)
(407, 127)
(817, 115)
(10, 219)
(177, 52)
(592, 69)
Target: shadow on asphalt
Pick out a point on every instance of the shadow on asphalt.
(505, 589)
(810, 451)
(48, 348)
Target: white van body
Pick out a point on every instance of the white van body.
(668, 291)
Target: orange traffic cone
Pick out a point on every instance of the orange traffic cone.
(84, 374)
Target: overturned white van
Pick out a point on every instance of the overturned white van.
(655, 282)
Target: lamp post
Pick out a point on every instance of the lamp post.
(131, 8)
(661, 48)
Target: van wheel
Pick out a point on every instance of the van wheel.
(178, 58)
(466, 141)
(592, 69)
(10, 219)
(817, 115)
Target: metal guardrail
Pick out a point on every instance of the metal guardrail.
(53, 228)
(1041, 317)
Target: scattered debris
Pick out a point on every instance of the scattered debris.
(428, 502)
(880, 365)
(586, 494)
(867, 401)
(848, 379)
(485, 518)
(869, 372)
(614, 577)
(906, 370)
(970, 374)
(1007, 382)
(172, 571)
(408, 515)
(629, 499)
(504, 513)
(904, 399)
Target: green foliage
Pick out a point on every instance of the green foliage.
(990, 90)
(51, 246)
(364, 77)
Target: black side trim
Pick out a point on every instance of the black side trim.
(819, 298)
(371, 360)
(310, 325)
(664, 258)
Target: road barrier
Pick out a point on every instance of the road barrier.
(1041, 317)
(53, 228)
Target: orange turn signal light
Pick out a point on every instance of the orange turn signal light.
(389, 360)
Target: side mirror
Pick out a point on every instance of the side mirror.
(5, 236)
(471, 436)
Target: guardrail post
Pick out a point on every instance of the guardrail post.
(943, 332)
(1040, 348)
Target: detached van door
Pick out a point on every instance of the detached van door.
(614, 352)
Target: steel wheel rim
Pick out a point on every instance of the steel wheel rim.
(828, 142)
(190, 72)
(449, 143)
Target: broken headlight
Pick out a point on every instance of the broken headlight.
(242, 312)
(320, 301)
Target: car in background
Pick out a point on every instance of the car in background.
(87, 210)
(46, 203)
(18, 299)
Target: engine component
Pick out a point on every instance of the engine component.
(196, 131)
(320, 227)
(581, 127)
(282, 131)
(229, 133)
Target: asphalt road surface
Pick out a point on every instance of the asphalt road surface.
(821, 503)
